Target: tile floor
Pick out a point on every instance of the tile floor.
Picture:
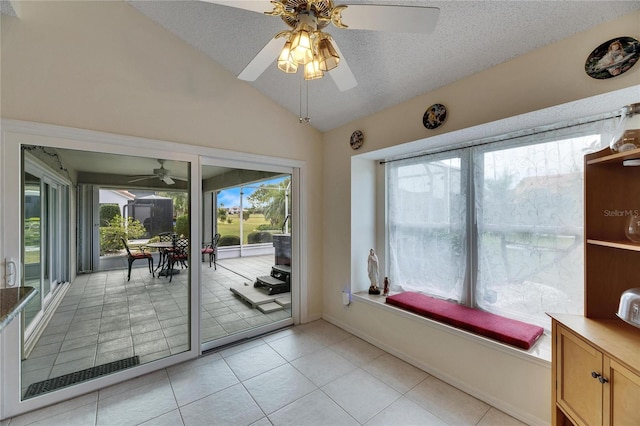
(314, 374)
(103, 317)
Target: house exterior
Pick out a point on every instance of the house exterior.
(116, 196)
(104, 67)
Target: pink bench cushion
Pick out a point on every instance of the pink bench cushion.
(503, 329)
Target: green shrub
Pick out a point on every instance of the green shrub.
(266, 227)
(229, 220)
(107, 212)
(110, 236)
(246, 215)
(222, 214)
(259, 237)
(182, 225)
(229, 240)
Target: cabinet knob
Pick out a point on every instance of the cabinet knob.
(595, 375)
(602, 380)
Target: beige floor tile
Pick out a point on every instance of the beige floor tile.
(295, 345)
(196, 383)
(323, 366)
(55, 410)
(315, 408)
(360, 394)
(137, 405)
(448, 403)
(495, 417)
(231, 406)
(254, 361)
(357, 350)
(172, 418)
(405, 412)
(396, 373)
(278, 387)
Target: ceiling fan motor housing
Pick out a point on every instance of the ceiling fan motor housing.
(321, 9)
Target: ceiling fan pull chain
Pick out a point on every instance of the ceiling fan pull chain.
(306, 119)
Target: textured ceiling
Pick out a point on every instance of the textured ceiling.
(470, 36)
(6, 8)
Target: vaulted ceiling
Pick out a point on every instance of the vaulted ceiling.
(469, 37)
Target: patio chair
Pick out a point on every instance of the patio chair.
(211, 250)
(165, 237)
(179, 254)
(131, 257)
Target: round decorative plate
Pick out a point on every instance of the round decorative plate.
(434, 116)
(357, 139)
(612, 58)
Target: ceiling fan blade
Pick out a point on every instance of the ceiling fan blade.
(139, 178)
(262, 60)
(259, 6)
(167, 180)
(342, 75)
(393, 19)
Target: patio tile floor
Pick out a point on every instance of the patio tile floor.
(104, 318)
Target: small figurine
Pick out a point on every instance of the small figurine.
(372, 271)
(386, 286)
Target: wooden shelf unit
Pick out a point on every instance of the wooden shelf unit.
(612, 193)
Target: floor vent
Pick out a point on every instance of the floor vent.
(50, 385)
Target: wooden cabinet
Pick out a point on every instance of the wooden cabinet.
(596, 357)
(596, 372)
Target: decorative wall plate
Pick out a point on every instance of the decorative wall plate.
(612, 58)
(357, 139)
(434, 116)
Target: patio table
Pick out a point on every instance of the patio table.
(162, 247)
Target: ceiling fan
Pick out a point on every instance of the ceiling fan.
(306, 46)
(161, 173)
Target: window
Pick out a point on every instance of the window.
(498, 226)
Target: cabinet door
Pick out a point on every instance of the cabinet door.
(579, 394)
(622, 402)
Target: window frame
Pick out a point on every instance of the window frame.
(468, 151)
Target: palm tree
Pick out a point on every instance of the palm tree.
(271, 201)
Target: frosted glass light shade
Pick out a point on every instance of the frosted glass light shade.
(312, 70)
(329, 58)
(285, 62)
(301, 47)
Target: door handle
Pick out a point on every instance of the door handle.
(11, 271)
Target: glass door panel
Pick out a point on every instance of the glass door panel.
(32, 255)
(131, 311)
(247, 289)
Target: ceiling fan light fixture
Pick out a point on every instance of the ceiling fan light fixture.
(285, 62)
(312, 70)
(329, 58)
(301, 45)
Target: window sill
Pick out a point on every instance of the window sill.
(540, 352)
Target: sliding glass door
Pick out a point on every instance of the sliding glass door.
(248, 266)
(86, 330)
(129, 311)
(45, 235)
(94, 324)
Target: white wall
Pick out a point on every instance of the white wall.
(108, 196)
(550, 76)
(104, 66)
